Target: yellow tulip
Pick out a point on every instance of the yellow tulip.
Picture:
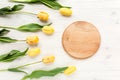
(70, 70)
(48, 59)
(32, 40)
(34, 52)
(48, 29)
(65, 11)
(43, 16)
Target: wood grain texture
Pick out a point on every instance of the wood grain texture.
(81, 39)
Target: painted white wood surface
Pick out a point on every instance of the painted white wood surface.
(104, 65)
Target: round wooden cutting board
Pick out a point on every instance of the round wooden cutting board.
(81, 39)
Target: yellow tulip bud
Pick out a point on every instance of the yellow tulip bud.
(65, 11)
(32, 40)
(48, 29)
(34, 52)
(70, 70)
(43, 16)
(48, 59)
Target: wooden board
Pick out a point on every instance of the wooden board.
(81, 39)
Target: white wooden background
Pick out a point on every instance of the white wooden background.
(104, 65)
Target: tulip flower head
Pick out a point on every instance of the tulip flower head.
(43, 16)
(34, 52)
(70, 70)
(65, 11)
(48, 59)
(32, 40)
(48, 30)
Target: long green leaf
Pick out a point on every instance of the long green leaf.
(8, 10)
(41, 73)
(17, 7)
(5, 10)
(7, 56)
(25, 1)
(3, 32)
(49, 3)
(7, 40)
(12, 55)
(32, 27)
(16, 70)
(15, 56)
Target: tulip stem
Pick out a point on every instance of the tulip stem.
(28, 64)
(47, 24)
(21, 66)
(3, 70)
(24, 12)
(7, 27)
(21, 40)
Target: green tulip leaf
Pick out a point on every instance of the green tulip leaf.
(5, 10)
(16, 70)
(41, 73)
(8, 10)
(12, 55)
(7, 40)
(53, 4)
(17, 7)
(3, 32)
(26, 1)
(32, 27)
